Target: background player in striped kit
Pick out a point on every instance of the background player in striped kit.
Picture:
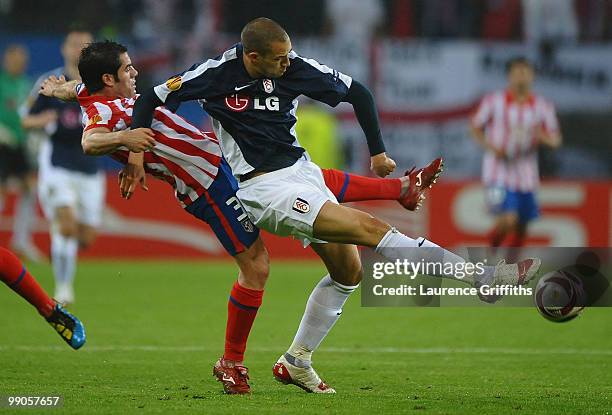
(189, 160)
(510, 125)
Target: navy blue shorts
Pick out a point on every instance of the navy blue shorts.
(220, 208)
(524, 204)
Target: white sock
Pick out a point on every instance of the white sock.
(24, 218)
(63, 257)
(323, 309)
(397, 246)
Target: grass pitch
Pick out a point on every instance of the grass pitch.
(155, 329)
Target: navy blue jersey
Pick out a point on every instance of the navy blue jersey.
(65, 134)
(254, 119)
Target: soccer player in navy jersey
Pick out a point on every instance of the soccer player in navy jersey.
(71, 188)
(15, 275)
(188, 159)
(250, 92)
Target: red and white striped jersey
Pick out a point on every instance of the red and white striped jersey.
(183, 156)
(513, 127)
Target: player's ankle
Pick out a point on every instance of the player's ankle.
(404, 185)
(297, 361)
(232, 362)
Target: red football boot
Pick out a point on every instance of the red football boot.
(233, 377)
(418, 182)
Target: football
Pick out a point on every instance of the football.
(559, 296)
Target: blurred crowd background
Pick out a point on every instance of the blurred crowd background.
(427, 61)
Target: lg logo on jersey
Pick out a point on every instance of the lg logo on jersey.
(270, 104)
(240, 103)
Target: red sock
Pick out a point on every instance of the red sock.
(241, 311)
(349, 187)
(15, 275)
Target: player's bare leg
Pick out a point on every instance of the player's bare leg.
(342, 224)
(519, 235)
(323, 309)
(245, 300)
(86, 235)
(505, 223)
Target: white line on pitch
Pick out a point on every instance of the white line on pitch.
(369, 350)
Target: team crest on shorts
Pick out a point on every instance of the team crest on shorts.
(248, 225)
(268, 85)
(301, 206)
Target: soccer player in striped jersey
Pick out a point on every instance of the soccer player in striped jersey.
(511, 125)
(15, 275)
(190, 161)
(251, 93)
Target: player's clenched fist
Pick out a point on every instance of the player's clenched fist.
(382, 165)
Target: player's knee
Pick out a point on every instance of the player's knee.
(349, 274)
(512, 222)
(68, 229)
(254, 265)
(372, 229)
(86, 239)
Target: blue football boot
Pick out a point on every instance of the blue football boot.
(68, 327)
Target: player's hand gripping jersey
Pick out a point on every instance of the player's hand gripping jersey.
(183, 156)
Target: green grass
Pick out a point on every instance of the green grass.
(155, 329)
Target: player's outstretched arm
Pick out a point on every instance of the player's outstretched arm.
(55, 87)
(99, 141)
(364, 106)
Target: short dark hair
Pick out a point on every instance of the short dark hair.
(258, 34)
(97, 59)
(517, 60)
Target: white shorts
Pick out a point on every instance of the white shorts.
(85, 193)
(286, 202)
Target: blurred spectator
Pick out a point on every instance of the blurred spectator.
(14, 160)
(502, 19)
(298, 17)
(551, 21)
(354, 20)
(401, 18)
(594, 17)
(317, 132)
(438, 18)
